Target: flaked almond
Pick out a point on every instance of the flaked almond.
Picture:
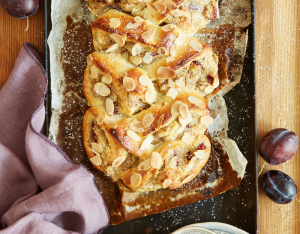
(100, 37)
(191, 163)
(133, 25)
(136, 49)
(172, 93)
(132, 135)
(147, 142)
(136, 60)
(145, 165)
(135, 179)
(169, 27)
(173, 50)
(187, 179)
(167, 183)
(187, 138)
(180, 85)
(118, 39)
(145, 81)
(198, 102)
(147, 58)
(216, 82)
(94, 72)
(106, 79)
(175, 108)
(138, 19)
(186, 121)
(114, 56)
(161, 7)
(207, 120)
(173, 162)
(184, 111)
(169, 59)
(114, 22)
(148, 34)
(151, 95)
(112, 48)
(209, 89)
(152, 7)
(101, 89)
(101, 117)
(147, 120)
(200, 154)
(110, 123)
(109, 106)
(96, 160)
(118, 161)
(156, 160)
(124, 37)
(162, 50)
(165, 73)
(195, 45)
(89, 60)
(96, 147)
(129, 84)
(137, 126)
(181, 40)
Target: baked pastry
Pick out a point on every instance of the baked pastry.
(188, 15)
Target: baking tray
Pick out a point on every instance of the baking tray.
(238, 207)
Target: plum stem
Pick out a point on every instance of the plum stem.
(26, 29)
(262, 168)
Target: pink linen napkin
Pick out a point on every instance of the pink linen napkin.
(41, 189)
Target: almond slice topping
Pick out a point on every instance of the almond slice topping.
(173, 50)
(106, 79)
(145, 81)
(209, 89)
(101, 89)
(191, 163)
(198, 102)
(101, 117)
(165, 73)
(114, 22)
(156, 160)
(135, 179)
(167, 183)
(112, 48)
(136, 49)
(114, 56)
(110, 123)
(89, 60)
(187, 179)
(185, 122)
(118, 161)
(184, 110)
(216, 82)
(137, 126)
(145, 165)
(146, 143)
(200, 154)
(148, 34)
(161, 7)
(138, 19)
(133, 25)
(195, 45)
(147, 58)
(187, 138)
(175, 108)
(100, 37)
(207, 120)
(169, 27)
(136, 60)
(152, 7)
(172, 93)
(173, 162)
(181, 40)
(96, 147)
(147, 120)
(94, 72)
(132, 135)
(96, 160)
(151, 95)
(118, 39)
(162, 50)
(129, 84)
(109, 106)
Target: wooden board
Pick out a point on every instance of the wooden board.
(278, 87)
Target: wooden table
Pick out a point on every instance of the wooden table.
(278, 87)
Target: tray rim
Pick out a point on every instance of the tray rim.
(48, 96)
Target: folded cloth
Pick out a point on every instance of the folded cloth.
(41, 189)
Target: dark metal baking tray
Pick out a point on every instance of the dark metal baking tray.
(238, 207)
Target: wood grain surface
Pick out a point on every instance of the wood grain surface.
(278, 87)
